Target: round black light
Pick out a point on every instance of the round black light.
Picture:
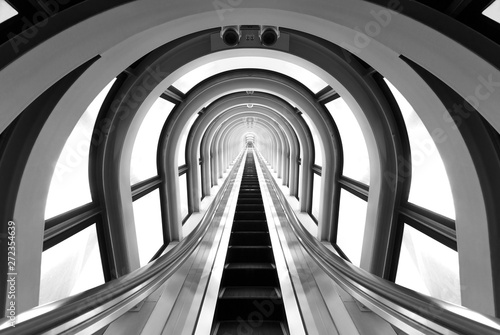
(269, 37)
(231, 37)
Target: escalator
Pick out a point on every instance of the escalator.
(249, 300)
(324, 292)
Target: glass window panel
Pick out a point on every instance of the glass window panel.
(428, 267)
(143, 160)
(71, 267)
(148, 226)
(69, 187)
(356, 160)
(430, 187)
(316, 195)
(200, 191)
(309, 79)
(299, 183)
(351, 227)
(318, 153)
(493, 11)
(184, 195)
(181, 154)
(6, 11)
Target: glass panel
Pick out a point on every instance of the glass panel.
(430, 187)
(200, 191)
(69, 187)
(493, 11)
(428, 267)
(71, 267)
(351, 229)
(316, 195)
(299, 184)
(143, 161)
(148, 226)
(356, 160)
(318, 153)
(6, 11)
(184, 195)
(306, 77)
(181, 154)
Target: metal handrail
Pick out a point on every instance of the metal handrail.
(93, 309)
(408, 310)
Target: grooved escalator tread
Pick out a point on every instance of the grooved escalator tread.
(248, 238)
(250, 328)
(250, 300)
(250, 266)
(245, 292)
(250, 247)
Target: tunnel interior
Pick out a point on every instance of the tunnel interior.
(121, 127)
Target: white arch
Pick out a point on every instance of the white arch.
(123, 34)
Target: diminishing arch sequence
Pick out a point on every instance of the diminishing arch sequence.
(261, 102)
(253, 80)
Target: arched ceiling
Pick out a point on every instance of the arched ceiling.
(149, 47)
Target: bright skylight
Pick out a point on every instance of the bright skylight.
(493, 11)
(69, 187)
(6, 11)
(316, 195)
(71, 267)
(143, 162)
(148, 226)
(189, 80)
(351, 228)
(318, 153)
(181, 154)
(356, 160)
(430, 187)
(184, 195)
(428, 267)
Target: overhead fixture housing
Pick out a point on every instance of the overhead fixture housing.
(269, 35)
(231, 35)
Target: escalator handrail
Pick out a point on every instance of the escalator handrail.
(402, 307)
(97, 307)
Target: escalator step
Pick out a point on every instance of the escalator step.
(250, 300)
(266, 309)
(249, 215)
(249, 255)
(236, 292)
(244, 201)
(250, 226)
(250, 328)
(257, 195)
(255, 266)
(250, 238)
(250, 207)
(250, 277)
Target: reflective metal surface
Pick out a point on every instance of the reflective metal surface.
(206, 315)
(408, 310)
(293, 313)
(91, 310)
